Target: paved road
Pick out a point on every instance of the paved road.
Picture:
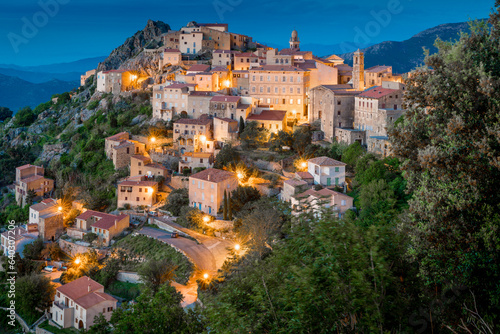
(54, 277)
(208, 256)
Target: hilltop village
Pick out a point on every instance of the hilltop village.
(240, 119)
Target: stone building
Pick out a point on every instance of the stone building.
(170, 100)
(171, 57)
(199, 103)
(333, 106)
(293, 187)
(241, 82)
(326, 171)
(77, 303)
(225, 129)
(49, 218)
(223, 58)
(31, 177)
(282, 87)
(16, 239)
(85, 76)
(194, 135)
(120, 148)
(144, 165)
(206, 189)
(104, 225)
(193, 160)
(350, 136)
(137, 193)
(358, 72)
(272, 120)
(313, 201)
(115, 81)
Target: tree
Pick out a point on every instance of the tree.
(242, 125)
(53, 251)
(24, 117)
(70, 218)
(230, 208)
(282, 138)
(243, 195)
(253, 136)
(352, 153)
(224, 209)
(100, 326)
(449, 143)
(33, 251)
(30, 196)
(176, 200)
(226, 157)
(156, 313)
(33, 291)
(154, 273)
(5, 113)
(302, 138)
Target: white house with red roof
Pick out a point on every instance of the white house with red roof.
(272, 120)
(77, 303)
(327, 171)
(105, 225)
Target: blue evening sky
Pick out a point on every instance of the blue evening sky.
(87, 28)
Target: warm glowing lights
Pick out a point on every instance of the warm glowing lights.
(240, 175)
(206, 219)
(205, 276)
(303, 164)
(77, 260)
(237, 247)
(294, 112)
(133, 77)
(153, 139)
(203, 138)
(60, 208)
(227, 83)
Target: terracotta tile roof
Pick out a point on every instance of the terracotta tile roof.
(246, 54)
(199, 68)
(278, 68)
(140, 157)
(213, 175)
(124, 143)
(25, 167)
(45, 204)
(80, 287)
(156, 165)
(225, 51)
(172, 51)
(32, 178)
(268, 115)
(377, 92)
(240, 71)
(195, 121)
(219, 69)
(93, 299)
(225, 119)
(378, 68)
(225, 98)
(18, 233)
(108, 221)
(337, 87)
(290, 52)
(119, 136)
(198, 93)
(243, 106)
(179, 86)
(139, 183)
(326, 161)
(304, 175)
(295, 182)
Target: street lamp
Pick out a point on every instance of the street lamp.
(60, 208)
(303, 165)
(206, 219)
(237, 247)
(205, 276)
(77, 261)
(240, 175)
(153, 139)
(203, 138)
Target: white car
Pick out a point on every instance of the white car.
(50, 269)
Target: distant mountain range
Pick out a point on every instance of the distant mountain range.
(16, 93)
(22, 86)
(407, 55)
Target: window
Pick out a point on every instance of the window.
(337, 169)
(316, 170)
(343, 202)
(212, 198)
(137, 199)
(140, 190)
(202, 196)
(146, 190)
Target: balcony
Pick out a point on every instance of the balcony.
(60, 306)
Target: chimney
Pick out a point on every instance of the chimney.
(208, 177)
(89, 287)
(115, 223)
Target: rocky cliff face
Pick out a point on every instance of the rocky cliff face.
(407, 55)
(149, 36)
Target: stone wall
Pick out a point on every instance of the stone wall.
(178, 182)
(268, 165)
(51, 227)
(72, 248)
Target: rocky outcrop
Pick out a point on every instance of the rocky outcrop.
(53, 151)
(150, 36)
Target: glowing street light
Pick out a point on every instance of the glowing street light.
(205, 276)
(237, 247)
(203, 138)
(206, 219)
(77, 260)
(153, 139)
(227, 83)
(240, 175)
(60, 208)
(303, 165)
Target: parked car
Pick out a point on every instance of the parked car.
(153, 213)
(174, 235)
(64, 268)
(50, 269)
